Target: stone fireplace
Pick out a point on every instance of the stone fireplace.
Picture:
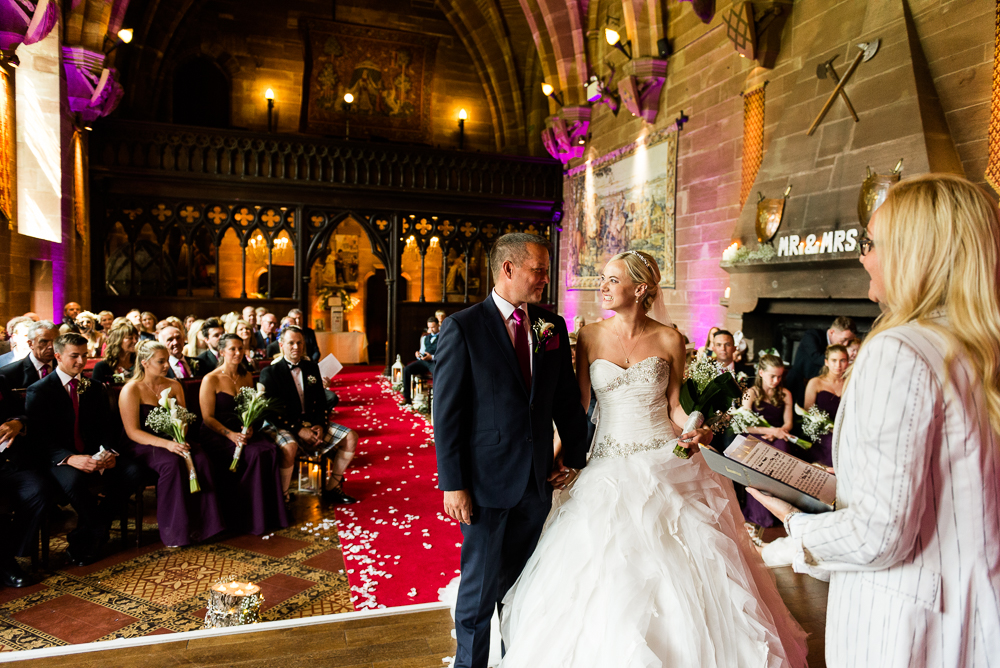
(815, 274)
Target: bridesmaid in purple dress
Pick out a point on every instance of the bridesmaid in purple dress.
(184, 517)
(252, 500)
(772, 401)
(824, 391)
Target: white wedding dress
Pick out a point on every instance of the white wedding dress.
(645, 562)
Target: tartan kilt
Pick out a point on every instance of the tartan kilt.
(335, 434)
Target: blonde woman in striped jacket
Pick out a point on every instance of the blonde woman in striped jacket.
(912, 551)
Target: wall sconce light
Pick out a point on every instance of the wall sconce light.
(549, 91)
(269, 96)
(463, 115)
(124, 36)
(348, 101)
(615, 40)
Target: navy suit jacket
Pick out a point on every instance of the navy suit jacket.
(490, 429)
(809, 360)
(207, 361)
(50, 414)
(21, 374)
(12, 408)
(290, 413)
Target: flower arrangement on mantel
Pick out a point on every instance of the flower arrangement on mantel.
(737, 254)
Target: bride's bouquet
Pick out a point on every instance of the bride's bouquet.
(816, 422)
(250, 404)
(741, 419)
(172, 420)
(707, 394)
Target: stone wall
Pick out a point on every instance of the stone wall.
(705, 77)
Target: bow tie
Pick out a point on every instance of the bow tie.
(293, 366)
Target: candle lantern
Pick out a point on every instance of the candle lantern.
(397, 371)
(232, 603)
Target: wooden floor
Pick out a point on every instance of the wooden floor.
(415, 640)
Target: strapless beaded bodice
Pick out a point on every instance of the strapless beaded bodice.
(632, 413)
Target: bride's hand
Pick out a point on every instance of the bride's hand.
(561, 475)
(701, 435)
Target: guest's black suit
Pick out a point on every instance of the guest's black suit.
(51, 435)
(28, 491)
(290, 413)
(21, 373)
(273, 349)
(809, 359)
(312, 346)
(207, 361)
(194, 364)
(257, 341)
(493, 435)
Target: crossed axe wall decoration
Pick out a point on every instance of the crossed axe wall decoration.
(824, 69)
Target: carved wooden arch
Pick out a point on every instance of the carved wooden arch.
(322, 230)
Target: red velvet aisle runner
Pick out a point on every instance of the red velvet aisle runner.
(399, 547)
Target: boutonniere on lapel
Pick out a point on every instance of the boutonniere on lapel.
(118, 378)
(545, 333)
(193, 363)
(312, 380)
(82, 385)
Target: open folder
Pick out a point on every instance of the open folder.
(752, 462)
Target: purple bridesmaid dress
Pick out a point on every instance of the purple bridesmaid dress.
(251, 497)
(183, 517)
(822, 450)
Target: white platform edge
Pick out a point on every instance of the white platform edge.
(68, 650)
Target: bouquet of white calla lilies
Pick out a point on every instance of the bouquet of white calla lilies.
(172, 420)
(816, 422)
(250, 405)
(741, 419)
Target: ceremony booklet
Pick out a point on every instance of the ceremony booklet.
(752, 462)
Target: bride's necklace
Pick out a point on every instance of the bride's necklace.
(629, 353)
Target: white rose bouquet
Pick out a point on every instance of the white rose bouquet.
(741, 419)
(172, 420)
(250, 404)
(816, 422)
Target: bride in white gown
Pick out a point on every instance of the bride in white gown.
(645, 563)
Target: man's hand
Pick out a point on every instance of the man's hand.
(562, 475)
(108, 462)
(8, 432)
(308, 436)
(84, 463)
(458, 505)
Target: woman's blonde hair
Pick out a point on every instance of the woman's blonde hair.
(191, 349)
(938, 245)
(642, 269)
(777, 397)
(143, 351)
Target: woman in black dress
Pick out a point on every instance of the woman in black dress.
(119, 355)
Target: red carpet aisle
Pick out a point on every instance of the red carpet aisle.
(398, 545)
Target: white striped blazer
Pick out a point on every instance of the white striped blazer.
(913, 550)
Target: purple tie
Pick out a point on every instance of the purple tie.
(182, 367)
(521, 347)
(44, 371)
(77, 438)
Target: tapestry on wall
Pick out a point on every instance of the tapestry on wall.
(993, 166)
(388, 72)
(622, 201)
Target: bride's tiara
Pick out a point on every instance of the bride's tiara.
(641, 257)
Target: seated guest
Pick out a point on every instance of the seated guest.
(853, 346)
(255, 342)
(312, 347)
(135, 317)
(40, 360)
(249, 339)
(180, 367)
(825, 391)
(147, 326)
(17, 330)
(440, 315)
(724, 348)
(424, 364)
(70, 421)
(119, 355)
(274, 349)
(70, 312)
(211, 331)
(105, 318)
(769, 399)
(86, 322)
(188, 321)
(811, 352)
(195, 344)
(261, 311)
(252, 496)
(706, 352)
(268, 330)
(25, 489)
(184, 517)
(302, 419)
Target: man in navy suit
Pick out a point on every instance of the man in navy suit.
(424, 364)
(69, 420)
(181, 366)
(211, 330)
(498, 389)
(39, 362)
